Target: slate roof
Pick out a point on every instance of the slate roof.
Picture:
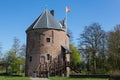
(67, 49)
(46, 20)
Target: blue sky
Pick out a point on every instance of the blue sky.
(17, 15)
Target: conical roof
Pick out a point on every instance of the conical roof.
(45, 20)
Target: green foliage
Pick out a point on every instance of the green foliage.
(114, 48)
(75, 59)
(13, 78)
(14, 62)
(10, 57)
(15, 57)
(75, 56)
(16, 65)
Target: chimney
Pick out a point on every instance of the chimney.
(52, 12)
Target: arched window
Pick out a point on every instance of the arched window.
(48, 56)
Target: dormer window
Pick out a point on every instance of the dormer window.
(47, 39)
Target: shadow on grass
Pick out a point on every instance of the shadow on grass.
(10, 75)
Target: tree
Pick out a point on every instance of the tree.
(16, 45)
(13, 62)
(75, 58)
(91, 44)
(15, 57)
(114, 47)
(0, 50)
(10, 58)
(22, 51)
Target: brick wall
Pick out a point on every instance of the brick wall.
(37, 46)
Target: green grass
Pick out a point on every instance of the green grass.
(64, 78)
(51, 78)
(13, 78)
(5, 76)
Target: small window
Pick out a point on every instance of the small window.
(48, 56)
(47, 39)
(30, 58)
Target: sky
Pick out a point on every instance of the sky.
(17, 15)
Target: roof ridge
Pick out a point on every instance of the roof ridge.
(46, 20)
(39, 18)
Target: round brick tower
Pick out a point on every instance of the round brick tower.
(46, 39)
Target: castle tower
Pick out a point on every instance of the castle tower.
(47, 41)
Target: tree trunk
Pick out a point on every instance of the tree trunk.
(94, 63)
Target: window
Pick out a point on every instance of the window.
(47, 39)
(30, 58)
(48, 56)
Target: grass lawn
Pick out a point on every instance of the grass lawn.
(51, 78)
(4, 76)
(64, 78)
(13, 78)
